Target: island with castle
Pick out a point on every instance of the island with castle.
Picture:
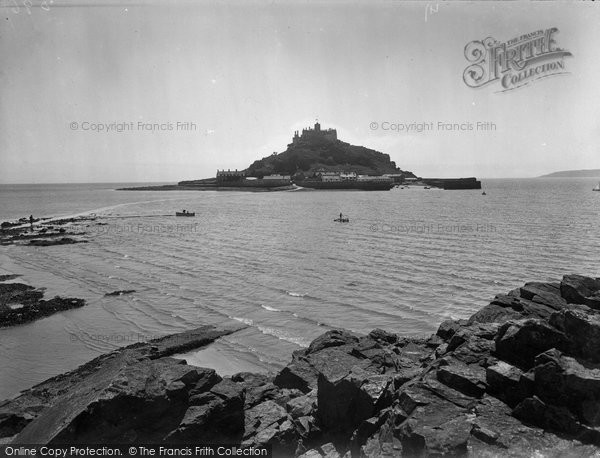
(317, 159)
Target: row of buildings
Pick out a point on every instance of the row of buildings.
(229, 177)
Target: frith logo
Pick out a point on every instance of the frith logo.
(516, 62)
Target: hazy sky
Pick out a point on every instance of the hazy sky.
(249, 74)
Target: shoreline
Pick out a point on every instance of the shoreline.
(209, 188)
(493, 384)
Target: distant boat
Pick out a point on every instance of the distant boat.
(341, 219)
(427, 187)
(483, 193)
(597, 188)
(185, 213)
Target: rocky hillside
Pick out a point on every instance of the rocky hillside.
(521, 377)
(324, 154)
(587, 173)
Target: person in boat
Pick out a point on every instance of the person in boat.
(340, 216)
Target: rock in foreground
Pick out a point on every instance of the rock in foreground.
(521, 377)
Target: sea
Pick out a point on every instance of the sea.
(278, 264)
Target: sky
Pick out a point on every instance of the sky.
(240, 77)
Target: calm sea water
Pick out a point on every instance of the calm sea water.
(408, 259)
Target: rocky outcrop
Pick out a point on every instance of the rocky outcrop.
(316, 152)
(117, 386)
(120, 292)
(581, 290)
(55, 241)
(21, 303)
(521, 377)
(43, 232)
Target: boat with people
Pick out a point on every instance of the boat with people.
(341, 219)
(185, 213)
(597, 188)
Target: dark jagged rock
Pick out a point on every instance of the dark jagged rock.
(215, 415)
(555, 418)
(496, 432)
(448, 328)
(577, 289)
(299, 375)
(334, 338)
(268, 424)
(435, 426)
(207, 378)
(54, 242)
(302, 406)
(519, 342)
(508, 383)
(379, 335)
(495, 313)
(21, 303)
(19, 294)
(263, 417)
(468, 379)
(544, 293)
(582, 331)
(260, 388)
(563, 381)
(520, 378)
(345, 401)
(120, 292)
(332, 353)
(441, 390)
(510, 307)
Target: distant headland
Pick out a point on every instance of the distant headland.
(586, 173)
(317, 159)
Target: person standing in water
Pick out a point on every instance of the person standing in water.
(31, 222)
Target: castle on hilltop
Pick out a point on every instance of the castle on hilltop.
(309, 134)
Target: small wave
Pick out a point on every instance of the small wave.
(301, 342)
(247, 321)
(270, 309)
(292, 293)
